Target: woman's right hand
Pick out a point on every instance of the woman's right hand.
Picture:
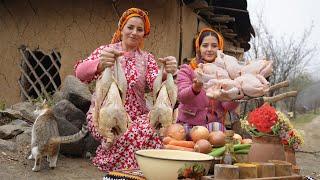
(107, 58)
(197, 85)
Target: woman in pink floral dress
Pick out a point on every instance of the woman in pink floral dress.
(140, 70)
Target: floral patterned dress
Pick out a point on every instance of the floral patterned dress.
(140, 70)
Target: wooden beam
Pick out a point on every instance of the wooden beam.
(230, 9)
(227, 30)
(207, 13)
(223, 19)
(212, 8)
(198, 4)
(203, 20)
(234, 49)
(229, 35)
(220, 26)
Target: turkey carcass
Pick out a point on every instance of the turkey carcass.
(253, 85)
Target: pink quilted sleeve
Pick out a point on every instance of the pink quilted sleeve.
(184, 82)
(86, 70)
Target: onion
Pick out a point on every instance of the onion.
(176, 131)
(246, 141)
(202, 146)
(199, 132)
(217, 138)
(237, 137)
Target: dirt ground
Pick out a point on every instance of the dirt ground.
(309, 158)
(16, 166)
(11, 167)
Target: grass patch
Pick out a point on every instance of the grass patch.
(2, 105)
(305, 118)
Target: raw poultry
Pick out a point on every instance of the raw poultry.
(226, 79)
(208, 71)
(229, 63)
(110, 116)
(262, 67)
(165, 94)
(223, 89)
(253, 85)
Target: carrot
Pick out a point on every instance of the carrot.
(166, 140)
(187, 144)
(173, 147)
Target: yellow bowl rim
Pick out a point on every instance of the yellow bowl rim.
(173, 159)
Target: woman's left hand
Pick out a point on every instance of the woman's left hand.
(170, 64)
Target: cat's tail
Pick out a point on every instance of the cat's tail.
(72, 138)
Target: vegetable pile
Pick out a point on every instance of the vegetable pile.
(202, 141)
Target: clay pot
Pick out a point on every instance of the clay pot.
(266, 148)
(290, 155)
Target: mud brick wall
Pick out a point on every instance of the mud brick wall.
(75, 29)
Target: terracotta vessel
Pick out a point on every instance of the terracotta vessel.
(290, 155)
(266, 148)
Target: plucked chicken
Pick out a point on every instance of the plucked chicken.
(208, 71)
(253, 85)
(262, 67)
(110, 117)
(223, 89)
(161, 114)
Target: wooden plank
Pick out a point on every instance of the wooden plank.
(212, 8)
(198, 4)
(220, 26)
(234, 49)
(207, 13)
(229, 35)
(293, 177)
(225, 30)
(223, 19)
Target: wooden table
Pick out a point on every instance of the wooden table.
(293, 177)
